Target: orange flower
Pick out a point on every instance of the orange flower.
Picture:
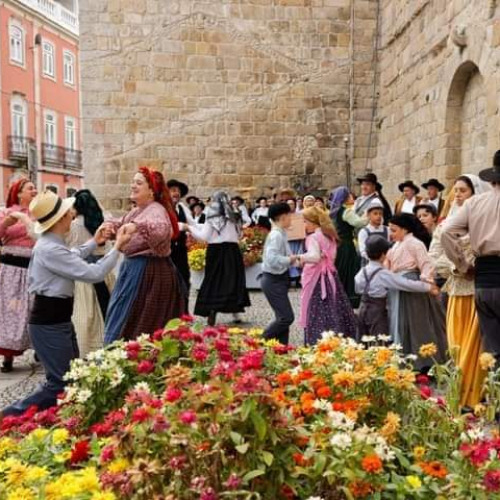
(279, 396)
(324, 392)
(284, 379)
(360, 489)
(307, 397)
(383, 356)
(301, 460)
(329, 345)
(317, 382)
(344, 379)
(308, 408)
(434, 469)
(372, 464)
(303, 375)
(302, 441)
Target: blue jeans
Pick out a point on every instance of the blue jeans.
(55, 346)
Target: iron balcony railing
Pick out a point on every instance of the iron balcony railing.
(73, 159)
(19, 147)
(52, 155)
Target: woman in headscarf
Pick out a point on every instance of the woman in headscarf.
(148, 291)
(347, 222)
(91, 301)
(224, 286)
(324, 303)
(462, 326)
(415, 318)
(16, 242)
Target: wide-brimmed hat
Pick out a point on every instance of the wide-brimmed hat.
(435, 183)
(47, 208)
(375, 204)
(239, 199)
(183, 188)
(492, 174)
(409, 184)
(369, 177)
(261, 199)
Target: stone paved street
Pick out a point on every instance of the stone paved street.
(28, 374)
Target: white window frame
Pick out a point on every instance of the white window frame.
(69, 68)
(17, 44)
(51, 185)
(19, 116)
(70, 131)
(49, 59)
(50, 119)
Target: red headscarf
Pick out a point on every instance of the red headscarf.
(15, 189)
(162, 195)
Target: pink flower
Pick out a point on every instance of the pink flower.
(145, 366)
(478, 453)
(251, 360)
(210, 332)
(226, 356)
(208, 494)
(160, 424)
(425, 392)
(172, 394)
(221, 345)
(233, 482)
(188, 417)
(102, 429)
(422, 379)
(140, 415)
(178, 462)
(199, 352)
(491, 480)
(158, 334)
(107, 454)
(133, 349)
(187, 318)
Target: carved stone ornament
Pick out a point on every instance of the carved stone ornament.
(459, 35)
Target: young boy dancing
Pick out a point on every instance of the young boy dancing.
(375, 225)
(373, 282)
(277, 259)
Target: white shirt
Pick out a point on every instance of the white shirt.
(434, 202)
(260, 212)
(247, 221)
(408, 206)
(366, 232)
(206, 232)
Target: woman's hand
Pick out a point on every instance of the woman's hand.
(10, 220)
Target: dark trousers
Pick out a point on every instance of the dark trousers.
(55, 346)
(373, 318)
(488, 311)
(275, 288)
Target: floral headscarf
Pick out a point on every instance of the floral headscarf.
(337, 198)
(220, 212)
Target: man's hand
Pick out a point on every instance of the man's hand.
(102, 234)
(434, 291)
(123, 237)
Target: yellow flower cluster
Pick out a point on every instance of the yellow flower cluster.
(72, 484)
(428, 350)
(197, 258)
(391, 426)
(487, 361)
(6, 445)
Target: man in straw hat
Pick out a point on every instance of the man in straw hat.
(53, 270)
(480, 218)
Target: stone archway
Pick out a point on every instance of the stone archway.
(466, 122)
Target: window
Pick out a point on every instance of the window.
(19, 118)
(52, 187)
(71, 191)
(16, 35)
(70, 133)
(50, 129)
(48, 59)
(69, 68)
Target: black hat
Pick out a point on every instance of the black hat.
(182, 187)
(192, 199)
(260, 199)
(198, 204)
(369, 177)
(492, 174)
(239, 199)
(409, 184)
(427, 206)
(433, 182)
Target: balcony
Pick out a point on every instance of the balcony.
(52, 155)
(19, 147)
(56, 13)
(73, 159)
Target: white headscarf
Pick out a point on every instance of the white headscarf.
(220, 212)
(480, 187)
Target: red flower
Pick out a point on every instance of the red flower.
(221, 345)
(140, 415)
(172, 394)
(287, 492)
(158, 334)
(80, 452)
(199, 352)
(491, 480)
(422, 379)
(478, 453)
(187, 318)
(145, 366)
(107, 454)
(178, 462)
(425, 392)
(188, 417)
(252, 360)
(210, 332)
(160, 423)
(102, 429)
(372, 464)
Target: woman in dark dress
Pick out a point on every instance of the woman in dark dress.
(347, 222)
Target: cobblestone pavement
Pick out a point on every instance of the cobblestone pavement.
(28, 374)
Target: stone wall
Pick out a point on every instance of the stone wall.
(249, 95)
(439, 89)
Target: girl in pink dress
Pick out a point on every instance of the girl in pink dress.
(324, 302)
(16, 245)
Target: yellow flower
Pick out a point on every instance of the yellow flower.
(428, 350)
(419, 452)
(255, 332)
(39, 434)
(391, 425)
(118, 465)
(60, 436)
(383, 356)
(21, 494)
(344, 379)
(16, 472)
(103, 495)
(235, 331)
(88, 479)
(479, 410)
(487, 361)
(63, 457)
(36, 473)
(272, 343)
(6, 445)
(414, 482)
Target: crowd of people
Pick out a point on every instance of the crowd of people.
(425, 271)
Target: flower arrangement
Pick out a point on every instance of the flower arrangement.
(251, 245)
(194, 412)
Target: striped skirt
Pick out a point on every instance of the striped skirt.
(147, 295)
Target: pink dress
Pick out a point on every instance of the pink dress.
(324, 303)
(15, 301)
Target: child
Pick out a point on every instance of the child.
(277, 260)
(373, 282)
(375, 225)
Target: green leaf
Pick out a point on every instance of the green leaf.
(170, 348)
(243, 448)
(246, 408)
(173, 324)
(236, 438)
(252, 475)
(268, 458)
(260, 424)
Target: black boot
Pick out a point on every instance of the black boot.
(212, 318)
(7, 365)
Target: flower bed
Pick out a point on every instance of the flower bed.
(212, 413)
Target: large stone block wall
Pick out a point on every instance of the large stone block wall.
(248, 95)
(439, 92)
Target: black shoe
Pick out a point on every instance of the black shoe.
(212, 318)
(7, 366)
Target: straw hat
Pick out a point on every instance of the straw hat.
(47, 208)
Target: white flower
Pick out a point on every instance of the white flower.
(396, 347)
(385, 453)
(411, 357)
(117, 378)
(384, 338)
(315, 498)
(322, 404)
(472, 435)
(339, 420)
(342, 440)
(328, 335)
(83, 396)
(368, 338)
(142, 387)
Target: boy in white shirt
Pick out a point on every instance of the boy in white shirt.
(375, 214)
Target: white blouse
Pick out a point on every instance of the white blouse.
(206, 232)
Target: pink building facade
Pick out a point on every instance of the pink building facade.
(40, 95)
